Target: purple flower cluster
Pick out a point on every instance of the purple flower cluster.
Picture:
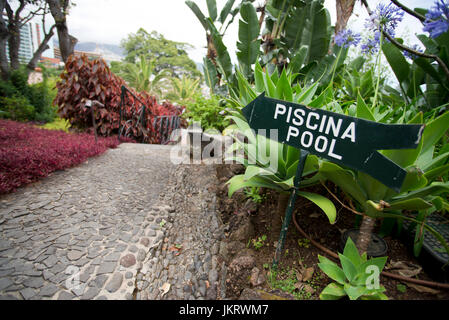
(437, 19)
(385, 17)
(371, 46)
(347, 38)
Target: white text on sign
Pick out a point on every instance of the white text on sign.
(314, 123)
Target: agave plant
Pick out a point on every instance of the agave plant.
(420, 190)
(270, 164)
(358, 277)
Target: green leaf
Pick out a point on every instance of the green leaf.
(406, 157)
(435, 189)
(269, 86)
(437, 172)
(425, 64)
(238, 182)
(331, 270)
(397, 62)
(212, 8)
(252, 171)
(362, 269)
(434, 131)
(348, 267)
(414, 180)
(354, 292)
(226, 10)
(283, 88)
(344, 179)
(248, 46)
(306, 95)
(297, 60)
(350, 252)
(210, 73)
(259, 78)
(192, 5)
(409, 204)
(332, 291)
(439, 160)
(324, 203)
(223, 58)
(374, 189)
(363, 111)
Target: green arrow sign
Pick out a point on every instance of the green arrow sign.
(339, 138)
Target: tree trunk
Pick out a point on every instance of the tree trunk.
(365, 234)
(42, 47)
(4, 66)
(276, 219)
(14, 45)
(344, 12)
(66, 41)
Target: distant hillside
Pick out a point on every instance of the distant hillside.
(94, 47)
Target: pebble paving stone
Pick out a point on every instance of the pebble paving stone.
(107, 230)
(83, 219)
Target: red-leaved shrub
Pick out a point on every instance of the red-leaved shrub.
(28, 153)
(84, 79)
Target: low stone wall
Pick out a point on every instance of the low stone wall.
(186, 264)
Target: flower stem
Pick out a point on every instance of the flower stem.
(378, 70)
(334, 68)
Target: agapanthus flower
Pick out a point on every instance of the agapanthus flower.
(347, 38)
(437, 19)
(410, 55)
(385, 17)
(371, 45)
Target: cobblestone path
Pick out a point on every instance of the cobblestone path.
(86, 232)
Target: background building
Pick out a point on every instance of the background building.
(31, 36)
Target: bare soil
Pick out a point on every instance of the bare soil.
(298, 275)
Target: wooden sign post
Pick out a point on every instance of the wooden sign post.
(342, 139)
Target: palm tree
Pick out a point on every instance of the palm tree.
(183, 90)
(144, 77)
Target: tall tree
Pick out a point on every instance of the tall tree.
(59, 10)
(168, 54)
(19, 13)
(344, 12)
(4, 66)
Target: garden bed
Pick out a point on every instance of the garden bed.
(249, 268)
(28, 153)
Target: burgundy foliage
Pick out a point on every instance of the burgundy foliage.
(83, 80)
(28, 153)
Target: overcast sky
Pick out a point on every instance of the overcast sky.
(109, 21)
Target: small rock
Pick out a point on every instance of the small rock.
(308, 273)
(27, 293)
(114, 284)
(128, 260)
(90, 293)
(48, 290)
(256, 277)
(64, 295)
(145, 241)
(141, 255)
(309, 289)
(74, 255)
(242, 262)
